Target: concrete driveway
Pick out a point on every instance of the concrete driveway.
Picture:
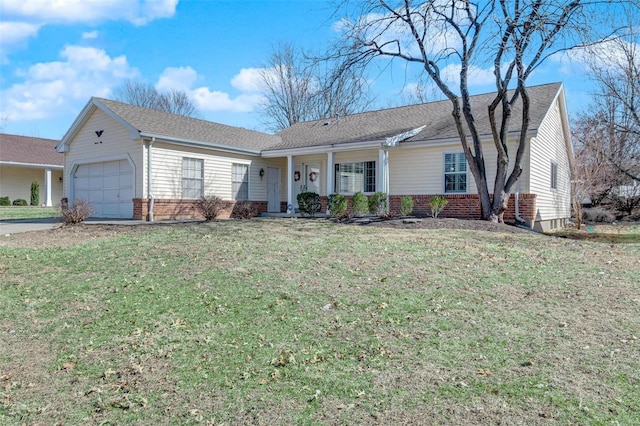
(16, 226)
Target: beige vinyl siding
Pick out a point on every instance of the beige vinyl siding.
(548, 146)
(415, 171)
(15, 182)
(167, 171)
(116, 145)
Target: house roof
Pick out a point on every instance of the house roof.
(147, 123)
(186, 128)
(429, 122)
(29, 151)
(382, 124)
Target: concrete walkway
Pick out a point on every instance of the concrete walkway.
(16, 226)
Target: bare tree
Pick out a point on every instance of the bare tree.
(511, 38)
(297, 88)
(615, 67)
(138, 93)
(287, 86)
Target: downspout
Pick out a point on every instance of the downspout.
(149, 177)
(518, 217)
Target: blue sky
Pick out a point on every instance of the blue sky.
(55, 56)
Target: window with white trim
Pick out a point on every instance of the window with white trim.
(192, 178)
(240, 181)
(455, 173)
(355, 177)
(554, 175)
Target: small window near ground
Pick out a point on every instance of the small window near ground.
(355, 177)
(554, 175)
(192, 178)
(455, 173)
(240, 181)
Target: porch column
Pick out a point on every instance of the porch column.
(289, 184)
(47, 184)
(383, 171)
(330, 188)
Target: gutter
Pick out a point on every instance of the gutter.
(198, 144)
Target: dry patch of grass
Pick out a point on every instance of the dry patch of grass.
(308, 322)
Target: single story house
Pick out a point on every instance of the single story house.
(134, 162)
(24, 160)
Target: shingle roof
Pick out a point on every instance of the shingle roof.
(186, 128)
(377, 125)
(24, 149)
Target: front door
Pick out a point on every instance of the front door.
(273, 189)
(306, 178)
(312, 175)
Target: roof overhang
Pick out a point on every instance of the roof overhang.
(196, 144)
(322, 149)
(31, 165)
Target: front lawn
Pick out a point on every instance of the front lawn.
(309, 322)
(31, 212)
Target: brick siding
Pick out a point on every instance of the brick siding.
(467, 206)
(176, 209)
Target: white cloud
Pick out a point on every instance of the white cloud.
(90, 35)
(138, 12)
(50, 89)
(184, 79)
(208, 100)
(15, 32)
(476, 76)
(248, 80)
(23, 18)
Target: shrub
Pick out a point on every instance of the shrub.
(437, 204)
(359, 204)
(244, 210)
(309, 203)
(627, 204)
(35, 193)
(597, 214)
(406, 205)
(211, 207)
(378, 203)
(337, 205)
(4, 201)
(80, 210)
(19, 202)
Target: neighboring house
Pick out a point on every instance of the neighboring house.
(135, 162)
(24, 160)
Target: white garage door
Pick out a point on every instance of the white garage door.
(107, 186)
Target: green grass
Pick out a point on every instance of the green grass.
(15, 212)
(308, 322)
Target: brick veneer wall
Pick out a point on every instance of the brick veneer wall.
(467, 206)
(176, 209)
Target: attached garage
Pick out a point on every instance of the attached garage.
(108, 186)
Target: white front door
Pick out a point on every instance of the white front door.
(273, 189)
(306, 178)
(312, 175)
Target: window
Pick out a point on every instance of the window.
(554, 175)
(455, 173)
(354, 177)
(240, 181)
(192, 178)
